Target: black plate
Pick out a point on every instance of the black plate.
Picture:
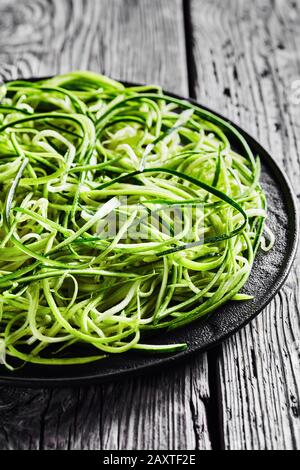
(269, 274)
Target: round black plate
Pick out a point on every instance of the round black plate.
(269, 273)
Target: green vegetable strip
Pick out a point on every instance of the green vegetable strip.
(185, 237)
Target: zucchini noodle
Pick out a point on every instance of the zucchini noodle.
(122, 210)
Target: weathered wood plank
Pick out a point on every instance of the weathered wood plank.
(142, 41)
(247, 55)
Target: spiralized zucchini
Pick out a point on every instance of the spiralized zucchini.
(123, 210)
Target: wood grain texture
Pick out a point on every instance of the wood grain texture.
(246, 57)
(162, 412)
(142, 41)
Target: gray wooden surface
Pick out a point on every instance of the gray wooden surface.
(238, 57)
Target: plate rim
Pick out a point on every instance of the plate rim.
(145, 369)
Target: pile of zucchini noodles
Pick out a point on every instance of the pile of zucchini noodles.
(80, 149)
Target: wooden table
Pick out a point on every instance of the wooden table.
(243, 59)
